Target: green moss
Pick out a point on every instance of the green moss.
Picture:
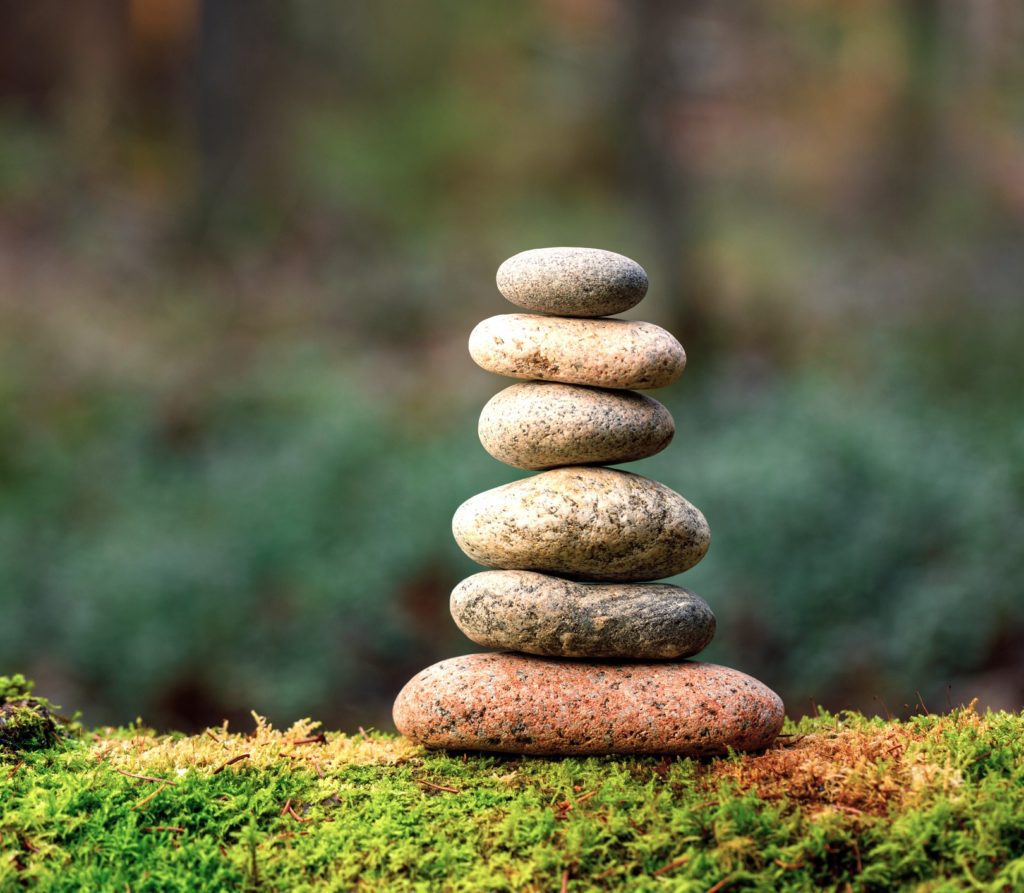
(28, 722)
(929, 804)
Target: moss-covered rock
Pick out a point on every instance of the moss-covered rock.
(26, 722)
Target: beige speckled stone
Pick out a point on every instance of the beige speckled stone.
(540, 614)
(606, 353)
(572, 281)
(542, 424)
(515, 703)
(588, 523)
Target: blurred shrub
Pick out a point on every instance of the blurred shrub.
(283, 542)
(249, 551)
(864, 543)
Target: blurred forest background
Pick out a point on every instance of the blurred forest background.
(243, 242)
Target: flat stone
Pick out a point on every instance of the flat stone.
(596, 524)
(572, 281)
(538, 614)
(516, 703)
(542, 424)
(606, 353)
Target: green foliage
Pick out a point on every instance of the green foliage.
(397, 818)
(860, 539)
(253, 546)
(265, 540)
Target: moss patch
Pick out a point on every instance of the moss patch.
(28, 722)
(839, 802)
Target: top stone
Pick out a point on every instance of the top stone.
(572, 281)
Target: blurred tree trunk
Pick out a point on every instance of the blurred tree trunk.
(911, 150)
(84, 61)
(95, 76)
(233, 106)
(654, 91)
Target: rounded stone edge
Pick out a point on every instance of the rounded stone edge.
(771, 727)
(467, 519)
(643, 377)
(660, 420)
(526, 280)
(563, 592)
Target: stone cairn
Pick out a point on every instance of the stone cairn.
(594, 660)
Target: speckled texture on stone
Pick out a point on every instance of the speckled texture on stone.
(572, 281)
(516, 703)
(596, 524)
(540, 614)
(542, 424)
(606, 353)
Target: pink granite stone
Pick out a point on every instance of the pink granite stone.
(516, 703)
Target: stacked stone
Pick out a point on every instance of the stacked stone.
(595, 660)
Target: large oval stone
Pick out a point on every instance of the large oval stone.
(596, 524)
(539, 614)
(606, 353)
(542, 424)
(516, 703)
(572, 281)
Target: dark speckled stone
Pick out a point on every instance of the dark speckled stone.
(541, 424)
(539, 614)
(515, 703)
(572, 281)
(597, 524)
(605, 353)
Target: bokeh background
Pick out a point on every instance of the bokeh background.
(242, 244)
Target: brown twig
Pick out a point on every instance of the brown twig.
(147, 777)
(885, 707)
(296, 816)
(146, 800)
(714, 888)
(234, 759)
(321, 738)
(789, 866)
(318, 769)
(14, 771)
(288, 809)
(565, 805)
(175, 829)
(438, 787)
(675, 863)
(856, 853)
(565, 881)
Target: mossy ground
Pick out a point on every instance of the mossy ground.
(933, 803)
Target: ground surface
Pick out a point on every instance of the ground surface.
(934, 803)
